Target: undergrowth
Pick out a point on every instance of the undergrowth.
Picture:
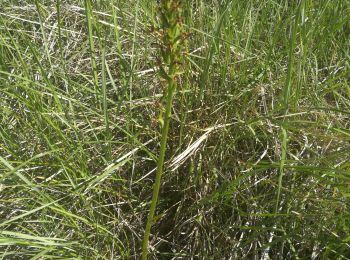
(257, 155)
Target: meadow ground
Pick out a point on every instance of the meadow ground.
(257, 157)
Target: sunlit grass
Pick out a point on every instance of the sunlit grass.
(257, 161)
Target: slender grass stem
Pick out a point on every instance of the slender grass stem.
(133, 48)
(89, 21)
(105, 107)
(286, 101)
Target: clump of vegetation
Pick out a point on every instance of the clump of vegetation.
(253, 149)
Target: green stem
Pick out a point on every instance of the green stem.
(171, 53)
(160, 165)
(89, 22)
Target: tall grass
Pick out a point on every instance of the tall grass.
(252, 144)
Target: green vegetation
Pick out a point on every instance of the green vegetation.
(247, 117)
(171, 39)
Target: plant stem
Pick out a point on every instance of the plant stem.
(89, 22)
(160, 166)
(171, 53)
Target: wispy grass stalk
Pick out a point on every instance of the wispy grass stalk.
(108, 136)
(286, 101)
(123, 65)
(90, 21)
